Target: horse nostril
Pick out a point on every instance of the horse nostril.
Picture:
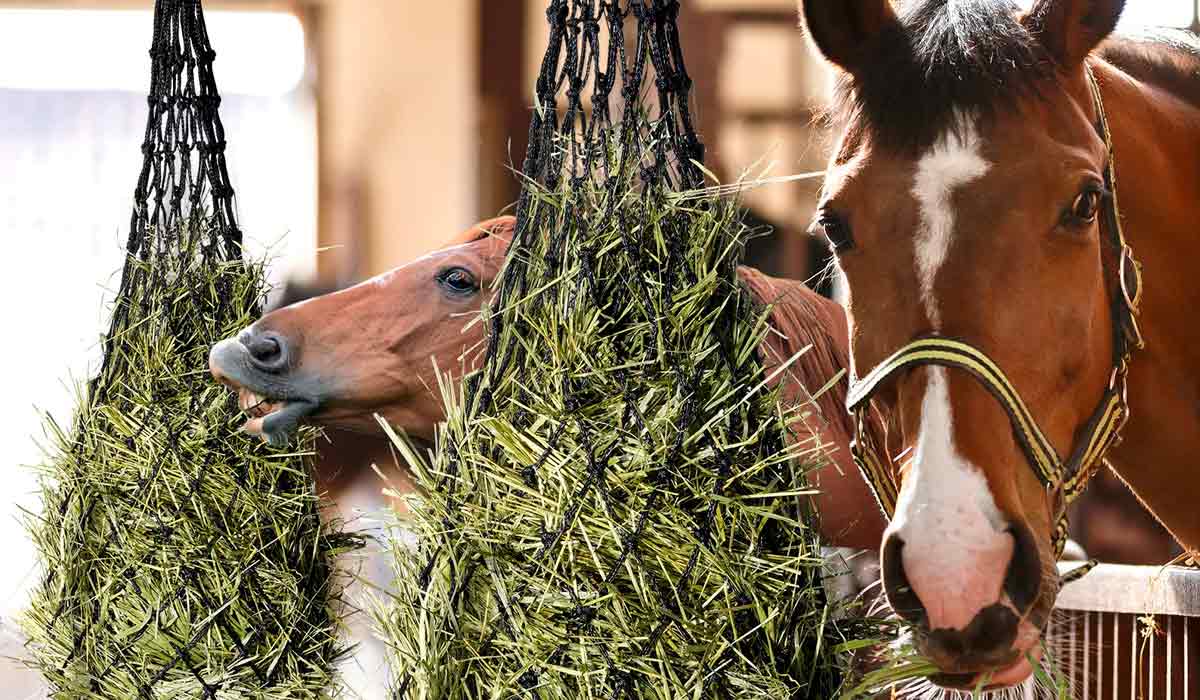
(900, 594)
(266, 351)
(1023, 579)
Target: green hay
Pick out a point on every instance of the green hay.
(622, 416)
(182, 557)
(900, 668)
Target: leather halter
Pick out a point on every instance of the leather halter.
(1063, 479)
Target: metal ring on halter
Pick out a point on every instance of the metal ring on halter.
(1114, 377)
(1131, 271)
(1131, 268)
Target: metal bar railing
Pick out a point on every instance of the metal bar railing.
(1130, 633)
(1138, 590)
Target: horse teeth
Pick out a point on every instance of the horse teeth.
(253, 404)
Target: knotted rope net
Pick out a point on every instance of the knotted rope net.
(182, 559)
(615, 507)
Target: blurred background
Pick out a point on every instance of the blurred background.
(362, 134)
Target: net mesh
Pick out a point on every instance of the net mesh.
(588, 47)
(182, 559)
(183, 162)
(613, 510)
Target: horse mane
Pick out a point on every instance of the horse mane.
(942, 59)
(800, 318)
(1166, 58)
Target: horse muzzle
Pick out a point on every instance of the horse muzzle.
(1006, 677)
(257, 366)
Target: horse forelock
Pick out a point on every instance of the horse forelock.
(940, 60)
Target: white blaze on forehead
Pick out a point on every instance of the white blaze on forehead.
(956, 544)
(953, 161)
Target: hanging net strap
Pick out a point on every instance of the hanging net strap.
(183, 169)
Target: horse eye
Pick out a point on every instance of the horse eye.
(458, 280)
(1085, 207)
(836, 231)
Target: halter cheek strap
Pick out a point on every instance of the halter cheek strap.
(1064, 480)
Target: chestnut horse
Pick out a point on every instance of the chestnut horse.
(340, 359)
(969, 200)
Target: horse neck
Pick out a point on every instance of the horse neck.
(1156, 135)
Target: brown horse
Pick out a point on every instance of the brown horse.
(340, 359)
(968, 198)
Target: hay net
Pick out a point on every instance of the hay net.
(183, 171)
(613, 510)
(588, 47)
(182, 559)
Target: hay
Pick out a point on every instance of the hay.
(182, 558)
(615, 513)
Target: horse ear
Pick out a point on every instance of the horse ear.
(1070, 29)
(844, 30)
(501, 227)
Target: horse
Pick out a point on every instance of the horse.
(993, 298)
(340, 359)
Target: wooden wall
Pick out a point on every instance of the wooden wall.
(397, 84)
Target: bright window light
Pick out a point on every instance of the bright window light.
(1149, 13)
(1159, 13)
(258, 53)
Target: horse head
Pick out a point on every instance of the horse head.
(963, 202)
(374, 348)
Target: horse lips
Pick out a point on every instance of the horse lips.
(257, 407)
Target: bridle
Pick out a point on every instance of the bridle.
(1064, 480)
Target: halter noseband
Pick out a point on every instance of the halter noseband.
(1065, 479)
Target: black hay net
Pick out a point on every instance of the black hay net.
(589, 46)
(183, 176)
(182, 558)
(613, 499)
